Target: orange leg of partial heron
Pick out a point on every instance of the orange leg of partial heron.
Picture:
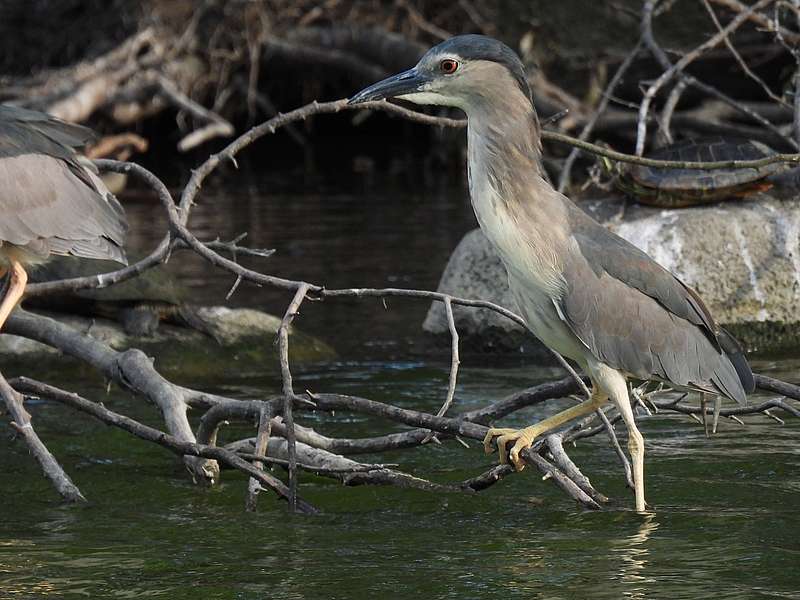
(19, 278)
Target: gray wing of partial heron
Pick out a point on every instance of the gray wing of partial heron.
(637, 317)
(49, 201)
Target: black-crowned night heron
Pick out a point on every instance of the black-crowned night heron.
(51, 201)
(583, 291)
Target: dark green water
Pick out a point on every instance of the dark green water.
(726, 523)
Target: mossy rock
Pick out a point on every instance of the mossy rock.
(245, 344)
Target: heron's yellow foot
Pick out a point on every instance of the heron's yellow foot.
(522, 438)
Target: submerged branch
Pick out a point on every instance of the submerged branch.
(21, 422)
(132, 370)
(178, 446)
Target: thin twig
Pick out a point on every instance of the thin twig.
(759, 19)
(681, 64)
(704, 412)
(612, 436)
(738, 57)
(288, 390)
(454, 362)
(665, 120)
(262, 440)
(608, 94)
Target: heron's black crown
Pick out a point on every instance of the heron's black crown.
(480, 47)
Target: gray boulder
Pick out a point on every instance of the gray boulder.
(742, 257)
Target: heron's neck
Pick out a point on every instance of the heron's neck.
(505, 133)
(517, 209)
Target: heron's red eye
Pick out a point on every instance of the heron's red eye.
(448, 66)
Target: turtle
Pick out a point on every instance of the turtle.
(139, 304)
(677, 188)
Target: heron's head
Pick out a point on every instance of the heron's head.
(466, 71)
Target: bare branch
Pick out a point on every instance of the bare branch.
(738, 57)
(555, 447)
(770, 384)
(564, 179)
(21, 421)
(288, 390)
(216, 126)
(663, 60)
(759, 19)
(132, 370)
(262, 440)
(179, 447)
(681, 64)
(567, 485)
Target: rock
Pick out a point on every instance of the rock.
(742, 257)
(231, 324)
(244, 337)
(475, 271)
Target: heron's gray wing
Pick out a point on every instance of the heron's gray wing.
(30, 131)
(49, 200)
(44, 199)
(636, 316)
(25, 132)
(609, 253)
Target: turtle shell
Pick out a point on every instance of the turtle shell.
(700, 184)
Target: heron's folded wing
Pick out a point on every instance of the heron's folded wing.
(636, 316)
(608, 253)
(41, 198)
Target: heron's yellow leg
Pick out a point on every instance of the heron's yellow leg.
(635, 447)
(523, 438)
(614, 384)
(19, 278)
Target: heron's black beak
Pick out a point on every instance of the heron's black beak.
(406, 82)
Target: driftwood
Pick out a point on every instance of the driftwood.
(279, 441)
(203, 66)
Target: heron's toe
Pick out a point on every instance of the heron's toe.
(521, 438)
(523, 442)
(517, 439)
(488, 440)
